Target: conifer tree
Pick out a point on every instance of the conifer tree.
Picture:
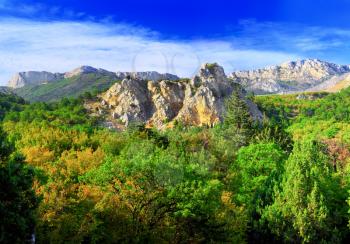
(236, 128)
(310, 203)
(237, 113)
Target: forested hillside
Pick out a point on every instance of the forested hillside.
(67, 87)
(286, 179)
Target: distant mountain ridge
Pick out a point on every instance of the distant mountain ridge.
(45, 86)
(147, 75)
(22, 79)
(289, 77)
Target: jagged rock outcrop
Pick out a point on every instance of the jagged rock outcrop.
(199, 101)
(289, 77)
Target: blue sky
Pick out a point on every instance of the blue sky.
(173, 36)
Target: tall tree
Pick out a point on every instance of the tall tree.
(310, 206)
(257, 170)
(237, 113)
(17, 199)
(236, 129)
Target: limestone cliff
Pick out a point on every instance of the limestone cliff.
(197, 101)
(33, 78)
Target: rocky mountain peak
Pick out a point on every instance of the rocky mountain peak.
(212, 71)
(81, 70)
(212, 76)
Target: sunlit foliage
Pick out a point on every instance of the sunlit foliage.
(285, 179)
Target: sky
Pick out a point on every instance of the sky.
(174, 36)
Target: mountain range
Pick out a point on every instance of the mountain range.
(46, 86)
(35, 78)
(160, 100)
(308, 75)
(292, 77)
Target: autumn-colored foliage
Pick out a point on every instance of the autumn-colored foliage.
(283, 180)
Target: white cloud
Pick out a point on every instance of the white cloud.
(62, 46)
(296, 38)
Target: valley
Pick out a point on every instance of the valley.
(158, 160)
(174, 122)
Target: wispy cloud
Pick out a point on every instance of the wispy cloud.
(60, 46)
(63, 45)
(42, 11)
(297, 38)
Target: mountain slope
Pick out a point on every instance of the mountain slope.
(5, 90)
(35, 78)
(45, 86)
(289, 77)
(334, 84)
(67, 87)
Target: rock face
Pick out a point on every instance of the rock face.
(33, 78)
(289, 77)
(199, 101)
(42, 77)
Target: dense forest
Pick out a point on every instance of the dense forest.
(65, 179)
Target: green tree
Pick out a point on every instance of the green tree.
(257, 170)
(236, 129)
(237, 113)
(260, 167)
(17, 198)
(309, 207)
(168, 194)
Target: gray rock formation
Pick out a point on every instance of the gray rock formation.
(288, 77)
(199, 101)
(33, 78)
